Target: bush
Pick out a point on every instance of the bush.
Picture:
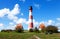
(42, 27)
(49, 32)
(30, 30)
(2, 30)
(43, 30)
(36, 29)
(8, 30)
(19, 28)
(52, 29)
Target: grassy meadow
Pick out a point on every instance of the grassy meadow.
(28, 35)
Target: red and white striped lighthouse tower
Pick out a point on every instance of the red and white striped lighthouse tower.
(30, 19)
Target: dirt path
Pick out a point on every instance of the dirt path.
(36, 37)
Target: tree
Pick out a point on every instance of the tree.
(8, 30)
(19, 28)
(36, 29)
(30, 30)
(42, 27)
(51, 29)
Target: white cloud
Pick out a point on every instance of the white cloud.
(1, 24)
(11, 14)
(12, 17)
(3, 12)
(11, 27)
(7, 11)
(35, 22)
(49, 22)
(42, 22)
(58, 19)
(15, 11)
(58, 28)
(58, 24)
(21, 20)
(37, 5)
(11, 23)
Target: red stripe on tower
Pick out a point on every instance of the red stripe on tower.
(30, 25)
(30, 19)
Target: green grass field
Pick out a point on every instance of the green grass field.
(27, 35)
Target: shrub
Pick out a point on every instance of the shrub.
(43, 30)
(8, 30)
(30, 30)
(42, 27)
(36, 29)
(19, 28)
(51, 28)
(3, 30)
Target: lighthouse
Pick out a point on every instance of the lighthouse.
(30, 26)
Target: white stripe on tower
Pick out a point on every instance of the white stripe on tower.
(30, 19)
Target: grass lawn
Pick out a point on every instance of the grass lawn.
(27, 35)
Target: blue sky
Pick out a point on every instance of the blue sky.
(13, 12)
